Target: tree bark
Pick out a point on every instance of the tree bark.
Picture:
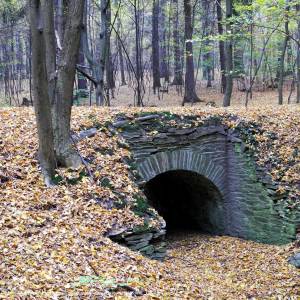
(228, 55)
(190, 92)
(41, 96)
(120, 53)
(178, 78)
(57, 77)
(109, 69)
(207, 20)
(282, 56)
(138, 59)
(221, 46)
(155, 47)
(164, 71)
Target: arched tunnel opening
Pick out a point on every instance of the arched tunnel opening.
(187, 201)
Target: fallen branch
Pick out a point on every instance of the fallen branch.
(84, 134)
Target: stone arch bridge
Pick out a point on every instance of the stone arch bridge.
(204, 178)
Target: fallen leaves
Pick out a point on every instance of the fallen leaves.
(52, 240)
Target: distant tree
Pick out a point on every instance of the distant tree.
(178, 77)
(189, 90)
(228, 55)
(221, 45)
(281, 58)
(155, 47)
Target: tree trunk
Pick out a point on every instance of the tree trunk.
(282, 56)
(164, 72)
(41, 96)
(98, 64)
(228, 55)
(65, 153)
(110, 82)
(155, 47)
(60, 76)
(138, 60)
(82, 82)
(120, 54)
(221, 46)
(207, 20)
(178, 78)
(189, 92)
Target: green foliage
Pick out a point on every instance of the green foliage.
(105, 182)
(110, 283)
(141, 207)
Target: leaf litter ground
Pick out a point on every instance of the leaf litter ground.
(53, 244)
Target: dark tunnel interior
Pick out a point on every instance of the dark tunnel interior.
(187, 201)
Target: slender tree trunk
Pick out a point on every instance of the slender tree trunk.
(207, 30)
(221, 46)
(138, 60)
(109, 68)
(101, 54)
(82, 82)
(178, 78)
(228, 56)
(282, 56)
(120, 53)
(97, 64)
(164, 72)
(155, 47)
(190, 91)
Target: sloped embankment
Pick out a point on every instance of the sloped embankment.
(53, 244)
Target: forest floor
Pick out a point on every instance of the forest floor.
(53, 244)
(124, 95)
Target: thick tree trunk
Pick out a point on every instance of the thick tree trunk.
(61, 76)
(65, 153)
(189, 92)
(221, 46)
(178, 78)
(228, 56)
(155, 47)
(41, 96)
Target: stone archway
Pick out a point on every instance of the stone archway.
(249, 208)
(245, 211)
